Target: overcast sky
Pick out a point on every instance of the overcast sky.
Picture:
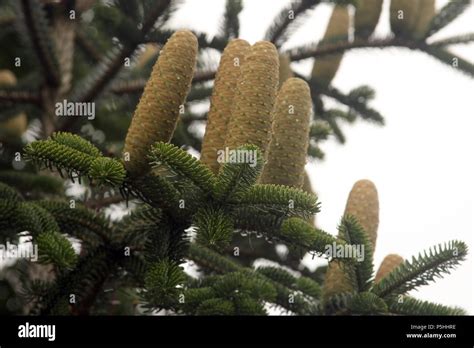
(421, 161)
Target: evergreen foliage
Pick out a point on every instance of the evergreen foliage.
(219, 215)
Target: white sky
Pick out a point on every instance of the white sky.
(420, 161)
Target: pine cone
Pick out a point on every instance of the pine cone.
(157, 112)
(251, 121)
(389, 263)
(363, 204)
(290, 135)
(426, 12)
(222, 101)
(403, 16)
(366, 17)
(285, 71)
(325, 68)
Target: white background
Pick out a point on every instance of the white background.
(421, 161)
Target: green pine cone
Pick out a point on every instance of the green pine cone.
(290, 135)
(426, 12)
(325, 68)
(157, 112)
(222, 100)
(404, 16)
(251, 120)
(366, 17)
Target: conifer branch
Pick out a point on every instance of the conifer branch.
(277, 33)
(230, 26)
(454, 40)
(411, 306)
(421, 270)
(236, 178)
(279, 199)
(37, 27)
(15, 96)
(220, 264)
(360, 272)
(29, 183)
(447, 14)
(183, 164)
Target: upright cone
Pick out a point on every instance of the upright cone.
(366, 17)
(285, 71)
(426, 12)
(157, 112)
(363, 204)
(251, 120)
(325, 68)
(222, 101)
(290, 135)
(389, 263)
(403, 16)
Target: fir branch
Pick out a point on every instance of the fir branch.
(76, 142)
(366, 303)
(282, 24)
(447, 14)
(204, 76)
(454, 40)
(279, 199)
(78, 221)
(128, 87)
(54, 248)
(183, 164)
(220, 264)
(455, 62)
(412, 306)
(37, 27)
(353, 100)
(101, 170)
(161, 281)
(360, 273)
(304, 284)
(87, 46)
(298, 232)
(214, 227)
(162, 35)
(230, 26)
(422, 270)
(29, 183)
(110, 65)
(236, 178)
(15, 96)
(8, 193)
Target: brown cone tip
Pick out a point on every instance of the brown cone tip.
(389, 263)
